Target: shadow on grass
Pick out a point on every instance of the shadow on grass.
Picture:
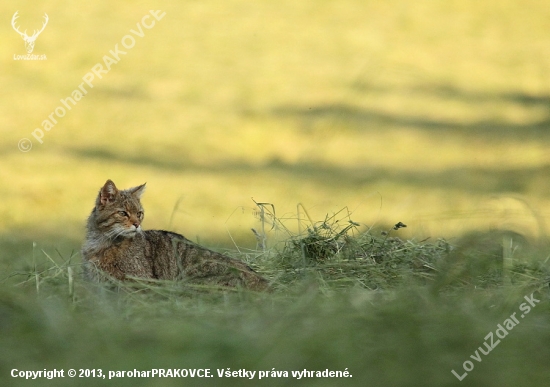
(372, 120)
(364, 119)
(467, 179)
(347, 116)
(452, 92)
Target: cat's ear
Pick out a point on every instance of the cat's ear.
(107, 193)
(138, 191)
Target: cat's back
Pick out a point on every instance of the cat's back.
(175, 257)
(162, 250)
(120, 260)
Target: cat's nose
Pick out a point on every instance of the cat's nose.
(136, 224)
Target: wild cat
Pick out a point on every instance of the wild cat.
(117, 245)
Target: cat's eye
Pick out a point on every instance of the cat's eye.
(140, 214)
(123, 213)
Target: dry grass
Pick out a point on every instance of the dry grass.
(435, 115)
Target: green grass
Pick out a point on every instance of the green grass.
(432, 114)
(389, 311)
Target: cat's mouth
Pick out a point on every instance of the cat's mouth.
(124, 232)
(131, 232)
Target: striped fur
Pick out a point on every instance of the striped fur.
(117, 246)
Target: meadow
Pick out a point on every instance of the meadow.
(431, 114)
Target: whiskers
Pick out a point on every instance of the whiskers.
(116, 232)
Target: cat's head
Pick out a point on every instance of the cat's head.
(118, 212)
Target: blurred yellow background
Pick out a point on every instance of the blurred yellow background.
(435, 114)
